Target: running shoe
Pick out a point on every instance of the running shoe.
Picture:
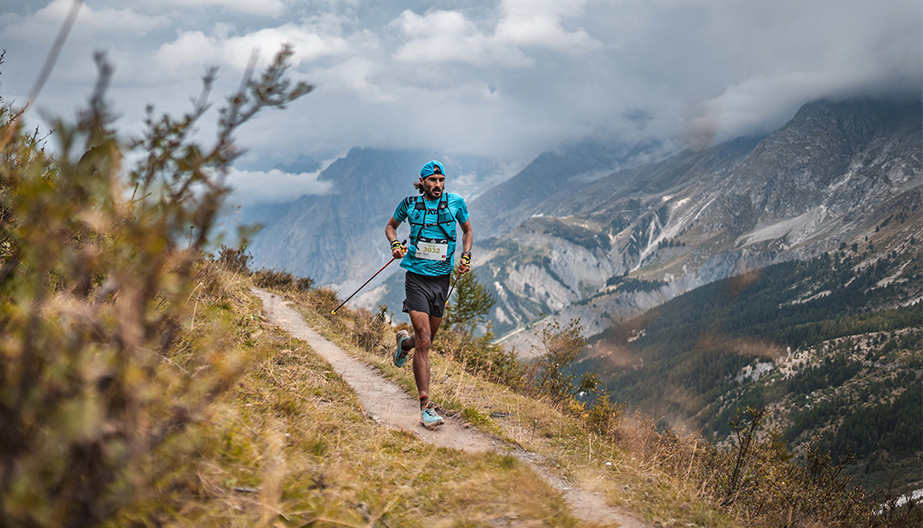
(400, 355)
(430, 419)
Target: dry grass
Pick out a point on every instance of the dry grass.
(291, 446)
(663, 477)
(640, 484)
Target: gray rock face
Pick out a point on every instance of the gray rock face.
(830, 175)
(553, 175)
(324, 237)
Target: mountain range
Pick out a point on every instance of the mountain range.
(827, 177)
(559, 236)
(781, 270)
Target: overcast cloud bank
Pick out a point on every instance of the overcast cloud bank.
(505, 79)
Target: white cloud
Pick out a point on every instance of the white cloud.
(505, 78)
(356, 76)
(448, 36)
(46, 22)
(537, 23)
(858, 50)
(253, 7)
(274, 186)
(195, 48)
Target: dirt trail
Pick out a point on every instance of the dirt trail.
(391, 407)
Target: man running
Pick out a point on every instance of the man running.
(428, 261)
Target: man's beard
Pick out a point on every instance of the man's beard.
(430, 195)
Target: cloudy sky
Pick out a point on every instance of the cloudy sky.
(505, 79)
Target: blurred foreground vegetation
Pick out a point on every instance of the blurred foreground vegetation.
(106, 369)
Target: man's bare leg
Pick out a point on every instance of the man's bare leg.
(424, 330)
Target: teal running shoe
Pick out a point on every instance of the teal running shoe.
(430, 419)
(400, 355)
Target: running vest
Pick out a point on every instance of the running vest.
(433, 234)
(440, 217)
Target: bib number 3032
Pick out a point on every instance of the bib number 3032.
(432, 250)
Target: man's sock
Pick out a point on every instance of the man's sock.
(424, 401)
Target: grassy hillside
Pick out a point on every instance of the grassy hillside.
(656, 474)
(289, 445)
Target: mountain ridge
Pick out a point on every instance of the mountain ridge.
(698, 217)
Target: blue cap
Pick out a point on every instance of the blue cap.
(433, 167)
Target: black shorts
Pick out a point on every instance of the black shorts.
(425, 294)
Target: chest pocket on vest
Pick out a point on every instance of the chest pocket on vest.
(439, 217)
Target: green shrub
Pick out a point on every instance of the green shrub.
(303, 284)
(558, 349)
(274, 279)
(604, 417)
(472, 302)
(370, 329)
(325, 300)
(482, 357)
(235, 260)
(281, 281)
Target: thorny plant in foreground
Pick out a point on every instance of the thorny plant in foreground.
(100, 378)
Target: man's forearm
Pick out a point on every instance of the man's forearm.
(467, 240)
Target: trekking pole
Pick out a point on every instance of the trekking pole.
(452, 287)
(366, 282)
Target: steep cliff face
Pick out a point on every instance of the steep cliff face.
(832, 155)
(829, 176)
(554, 175)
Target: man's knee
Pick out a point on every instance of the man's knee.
(422, 342)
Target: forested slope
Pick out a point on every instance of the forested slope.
(833, 346)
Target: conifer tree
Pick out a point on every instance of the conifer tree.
(470, 304)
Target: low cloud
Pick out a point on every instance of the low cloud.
(447, 36)
(355, 76)
(827, 49)
(274, 186)
(540, 24)
(506, 79)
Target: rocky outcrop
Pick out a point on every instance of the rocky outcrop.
(829, 176)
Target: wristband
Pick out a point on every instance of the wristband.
(466, 258)
(396, 244)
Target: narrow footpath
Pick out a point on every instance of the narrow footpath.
(391, 407)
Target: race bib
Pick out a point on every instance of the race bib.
(432, 249)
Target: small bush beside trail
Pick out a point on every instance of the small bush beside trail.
(235, 260)
(281, 280)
